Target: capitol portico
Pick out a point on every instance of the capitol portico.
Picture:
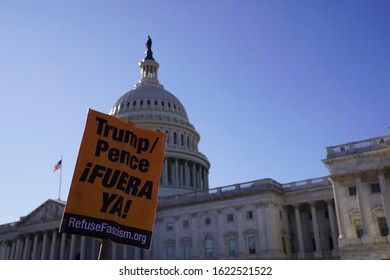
(340, 216)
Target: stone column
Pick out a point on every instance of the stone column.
(222, 248)
(207, 178)
(125, 253)
(2, 250)
(72, 247)
(272, 226)
(26, 247)
(301, 246)
(82, 247)
(7, 251)
(95, 248)
(13, 249)
(156, 244)
(53, 250)
(44, 246)
(204, 171)
(181, 176)
(385, 194)
(35, 246)
(18, 247)
(316, 231)
(177, 237)
(187, 174)
(147, 255)
(333, 228)
(176, 173)
(194, 176)
(114, 248)
(260, 219)
(195, 237)
(165, 172)
(286, 226)
(365, 211)
(341, 211)
(62, 250)
(199, 179)
(137, 254)
(241, 238)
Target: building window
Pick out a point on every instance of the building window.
(330, 242)
(174, 138)
(280, 215)
(182, 139)
(169, 226)
(383, 229)
(208, 247)
(358, 228)
(186, 224)
(352, 191)
(187, 251)
(252, 245)
(170, 252)
(229, 218)
(232, 247)
(249, 215)
(284, 244)
(375, 188)
(326, 214)
(207, 221)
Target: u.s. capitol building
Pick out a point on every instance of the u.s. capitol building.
(340, 216)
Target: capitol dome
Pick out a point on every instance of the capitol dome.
(149, 105)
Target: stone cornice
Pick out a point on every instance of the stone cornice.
(355, 156)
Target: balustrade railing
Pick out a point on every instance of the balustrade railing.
(353, 147)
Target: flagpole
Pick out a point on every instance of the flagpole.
(59, 189)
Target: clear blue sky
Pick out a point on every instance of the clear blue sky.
(267, 84)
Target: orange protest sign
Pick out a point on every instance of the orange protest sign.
(114, 190)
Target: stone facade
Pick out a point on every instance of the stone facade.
(361, 183)
(254, 220)
(341, 216)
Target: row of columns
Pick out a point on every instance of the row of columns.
(265, 226)
(316, 230)
(46, 245)
(184, 173)
(346, 228)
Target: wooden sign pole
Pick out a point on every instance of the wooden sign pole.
(104, 251)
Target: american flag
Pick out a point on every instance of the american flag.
(57, 166)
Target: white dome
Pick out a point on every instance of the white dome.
(151, 99)
(151, 106)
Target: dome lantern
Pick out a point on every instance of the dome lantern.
(148, 66)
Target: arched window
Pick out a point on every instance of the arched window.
(208, 247)
(174, 138)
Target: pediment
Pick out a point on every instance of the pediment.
(49, 210)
